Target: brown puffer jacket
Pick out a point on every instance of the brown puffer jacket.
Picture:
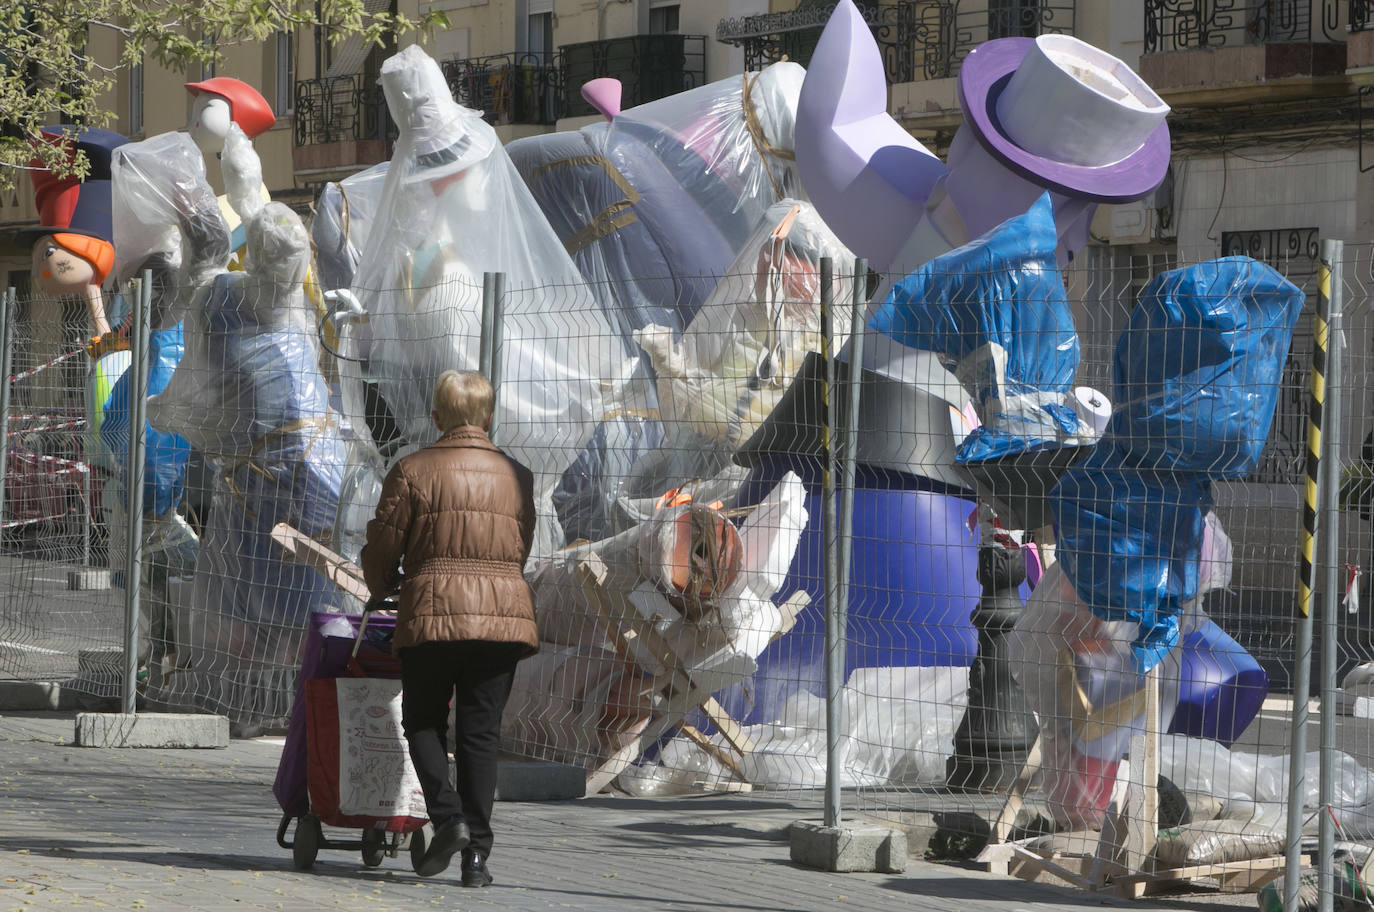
(455, 521)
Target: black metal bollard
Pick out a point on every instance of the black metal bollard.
(998, 728)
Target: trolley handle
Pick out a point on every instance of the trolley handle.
(379, 603)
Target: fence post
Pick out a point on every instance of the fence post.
(1330, 541)
(1302, 670)
(138, 442)
(489, 351)
(839, 533)
(834, 633)
(6, 366)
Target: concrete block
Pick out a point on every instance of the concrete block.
(158, 730)
(87, 580)
(34, 696)
(536, 781)
(849, 848)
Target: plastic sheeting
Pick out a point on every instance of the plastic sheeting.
(343, 217)
(1196, 378)
(997, 312)
(900, 725)
(164, 479)
(655, 204)
(454, 208)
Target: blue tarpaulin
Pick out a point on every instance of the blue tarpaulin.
(997, 312)
(1197, 375)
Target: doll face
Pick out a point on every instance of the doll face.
(58, 271)
(209, 125)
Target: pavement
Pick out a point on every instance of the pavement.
(154, 829)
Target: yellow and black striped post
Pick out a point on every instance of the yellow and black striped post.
(1316, 406)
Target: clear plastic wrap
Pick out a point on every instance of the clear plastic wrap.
(343, 217)
(656, 203)
(249, 394)
(997, 312)
(454, 208)
(736, 359)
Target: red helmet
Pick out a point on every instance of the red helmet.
(247, 107)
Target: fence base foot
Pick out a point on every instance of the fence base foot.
(849, 848)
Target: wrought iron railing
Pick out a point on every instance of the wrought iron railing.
(1293, 252)
(919, 39)
(509, 88)
(649, 67)
(339, 108)
(1181, 25)
(1361, 13)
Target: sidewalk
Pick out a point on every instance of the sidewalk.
(164, 830)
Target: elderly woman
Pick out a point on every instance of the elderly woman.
(453, 529)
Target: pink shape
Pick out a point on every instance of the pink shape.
(604, 95)
(868, 177)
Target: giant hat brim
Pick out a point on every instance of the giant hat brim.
(27, 237)
(983, 76)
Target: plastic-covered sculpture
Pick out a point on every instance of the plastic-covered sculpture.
(1079, 677)
(219, 102)
(997, 312)
(249, 394)
(454, 208)
(1196, 380)
(715, 381)
(656, 202)
(703, 586)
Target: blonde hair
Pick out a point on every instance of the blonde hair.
(462, 397)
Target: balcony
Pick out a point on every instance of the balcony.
(919, 39)
(1223, 44)
(649, 67)
(341, 123)
(509, 88)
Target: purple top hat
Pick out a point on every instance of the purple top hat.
(1072, 118)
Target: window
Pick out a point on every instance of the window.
(663, 20)
(136, 99)
(541, 35)
(1013, 18)
(286, 71)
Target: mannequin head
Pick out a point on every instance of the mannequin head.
(223, 100)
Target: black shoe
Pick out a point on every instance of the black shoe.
(450, 838)
(475, 871)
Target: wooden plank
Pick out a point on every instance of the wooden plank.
(1001, 827)
(1028, 865)
(726, 759)
(339, 570)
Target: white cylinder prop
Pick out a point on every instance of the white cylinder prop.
(1093, 407)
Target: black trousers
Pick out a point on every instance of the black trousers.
(477, 677)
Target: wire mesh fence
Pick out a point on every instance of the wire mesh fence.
(1076, 502)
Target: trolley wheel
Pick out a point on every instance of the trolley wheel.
(419, 844)
(374, 847)
(306, 845)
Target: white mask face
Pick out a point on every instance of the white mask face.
(210, 119)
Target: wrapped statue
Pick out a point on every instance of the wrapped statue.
(452, 209)
(249, 394)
